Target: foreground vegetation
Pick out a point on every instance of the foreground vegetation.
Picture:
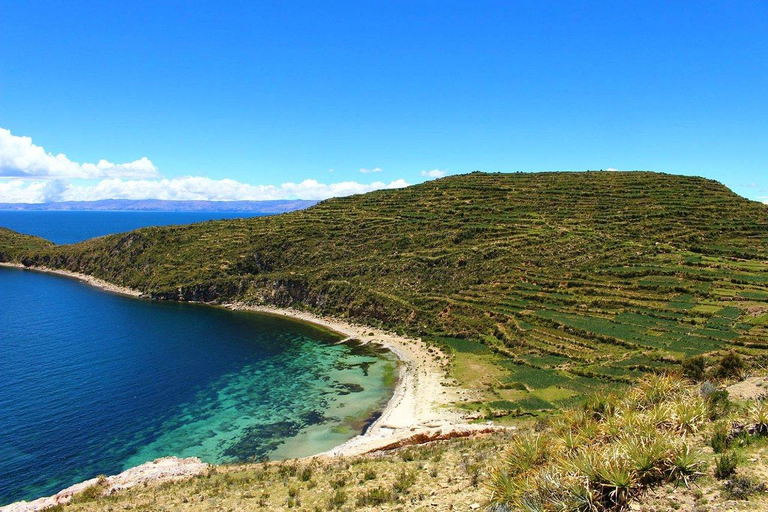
(546, 286)
(667, 444)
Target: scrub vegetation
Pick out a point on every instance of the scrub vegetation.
(556, 283)
(648, 449)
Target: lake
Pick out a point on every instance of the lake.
(94, 383)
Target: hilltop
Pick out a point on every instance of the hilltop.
(569, 280)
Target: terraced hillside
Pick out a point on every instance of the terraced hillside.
(575, 279)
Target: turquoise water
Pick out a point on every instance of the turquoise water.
(93, 383)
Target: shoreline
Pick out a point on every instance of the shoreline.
(422, 398)
(93, 281)
(420, 405)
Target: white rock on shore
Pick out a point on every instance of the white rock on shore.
(160, 470)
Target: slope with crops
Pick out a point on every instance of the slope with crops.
(573, 279)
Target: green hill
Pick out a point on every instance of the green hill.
(575, 278)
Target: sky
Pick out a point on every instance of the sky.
(272, 100)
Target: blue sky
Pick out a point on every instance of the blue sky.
(265, 93)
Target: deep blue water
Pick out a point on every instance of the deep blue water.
(70, 227)
(93, 383)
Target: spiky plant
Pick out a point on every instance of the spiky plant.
(660, 416)
(571, 441)
(504, 489)
(759, 416)
(526, 452)
(648, 456)
(616, 479)
(657, 388)
(601, 406)
(690, 413)
(686, 464)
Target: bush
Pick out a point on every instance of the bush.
(404, 481)
(374, 497)
(718, 404)
(725, 465)
(720, 441)
(338, 499)
(731, 365)
(741, 488)
(693, 368)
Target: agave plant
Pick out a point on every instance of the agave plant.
(658, 388)
(686, 464)
(660, 416)
(571, 441)
(526, 452)
(617, 481)
(690, 413)
(601, 406)
(759, 415)
(504, 490)
(648, 456)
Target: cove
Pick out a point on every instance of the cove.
(93, 383)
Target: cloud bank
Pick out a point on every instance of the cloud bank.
(188, 188)
(29, 174)
(434, 173)
(21, 158)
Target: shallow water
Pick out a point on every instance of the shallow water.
(93, 383)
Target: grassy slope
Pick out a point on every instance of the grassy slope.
(14, 244)
(572, 279)
(649, 449)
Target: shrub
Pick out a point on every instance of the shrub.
(725, 465)
(374, 497)
(338, 499)
(693, 367)
(741, 488)
(404, 482)
(720, 440)
(339, 482)
(731, 365)
(718, 404)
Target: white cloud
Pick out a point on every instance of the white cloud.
(434, 173)
(21, 158)
(188, 188)
(29, 174)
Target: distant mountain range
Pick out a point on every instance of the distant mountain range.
(156, 205)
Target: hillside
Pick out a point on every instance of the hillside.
(572, 279)
(14, 244)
